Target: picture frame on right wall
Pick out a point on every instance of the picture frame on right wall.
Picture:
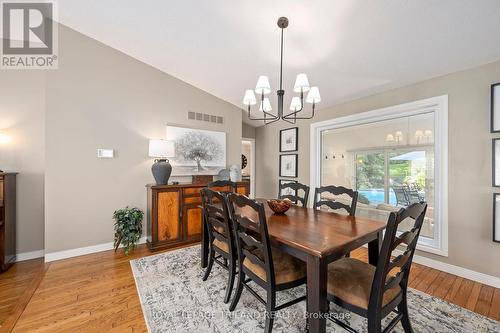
(496, 217)
(495, 108)
(288, 165)
(289, 139)
(496, 162)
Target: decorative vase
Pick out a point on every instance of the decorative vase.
(235, 173)
(161, 171)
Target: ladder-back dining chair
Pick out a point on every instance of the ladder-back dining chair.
(374, 292)
(220, 236)
(300, 193)
(268, 267)
(332, 203)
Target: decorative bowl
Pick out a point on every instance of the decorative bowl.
(279, 206)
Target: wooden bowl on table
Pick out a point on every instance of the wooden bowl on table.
(279, 206)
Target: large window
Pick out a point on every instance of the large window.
(391, 161)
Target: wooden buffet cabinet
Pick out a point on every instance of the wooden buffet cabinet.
(174, 216)
(7, 220)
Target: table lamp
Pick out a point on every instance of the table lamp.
(161, 150)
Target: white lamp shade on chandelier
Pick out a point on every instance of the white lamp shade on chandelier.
(161, 148)
(301, 83)
(249, 98)
(265, 105)
(296, 104)
(263, 87)
(313, 96)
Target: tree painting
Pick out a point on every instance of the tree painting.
(198, 147)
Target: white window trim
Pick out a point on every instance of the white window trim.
(439, 106)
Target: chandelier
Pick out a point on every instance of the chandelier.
(297, 103)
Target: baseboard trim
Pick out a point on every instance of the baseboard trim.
(53, 256)
(29, 255)
(489, 280)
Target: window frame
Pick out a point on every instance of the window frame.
(437, 105)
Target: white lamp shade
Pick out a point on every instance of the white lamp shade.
(161, 148)
(295, 105)
(389, 138)
(313, 96)
(263, 86)
(419, 133)
(301, 83)
(265, 105)
(428, 133)
(399, 134)
(249, 98)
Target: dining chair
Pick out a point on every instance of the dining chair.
(220, 236)
(401, 196)
(332, 203)
(268, 267)
(223, 185)
(374, 292)
(296, 197)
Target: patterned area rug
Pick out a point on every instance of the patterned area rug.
(175, 299)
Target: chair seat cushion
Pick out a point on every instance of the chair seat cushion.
(351, 280)
(221, 245)
(286, 268)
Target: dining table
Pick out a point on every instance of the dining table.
(318, 238)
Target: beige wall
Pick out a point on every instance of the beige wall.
(22, 112)
(470, 191)
(101, 98)
(248, 131)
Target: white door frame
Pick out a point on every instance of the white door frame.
(439, 106)
(252, 165)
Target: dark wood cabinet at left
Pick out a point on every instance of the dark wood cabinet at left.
(7, 220)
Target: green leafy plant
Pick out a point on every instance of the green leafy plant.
(128, 227)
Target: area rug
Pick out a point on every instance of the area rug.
(175, 299)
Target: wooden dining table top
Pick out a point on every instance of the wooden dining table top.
(317, 232)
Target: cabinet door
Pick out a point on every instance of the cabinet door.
(168, 203)
(192, 221)
(243, 189)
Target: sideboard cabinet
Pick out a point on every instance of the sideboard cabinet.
(174, 216)
(7, 220)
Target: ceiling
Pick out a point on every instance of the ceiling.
(349, 48)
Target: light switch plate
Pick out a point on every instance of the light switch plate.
(105, 153)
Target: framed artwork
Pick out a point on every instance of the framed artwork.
(289, 139)
(286, 191)
(496, 162)
(197, 152)
(288, 165)
(495, 108)
(496, 217)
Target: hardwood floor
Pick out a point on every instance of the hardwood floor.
(96, 293)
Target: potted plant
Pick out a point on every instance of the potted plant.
(128, 227)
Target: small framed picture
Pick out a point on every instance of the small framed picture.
(289, 139)
(288, 165)
(495, 108)
(496, 162)
(496, 217)
(286, 191)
